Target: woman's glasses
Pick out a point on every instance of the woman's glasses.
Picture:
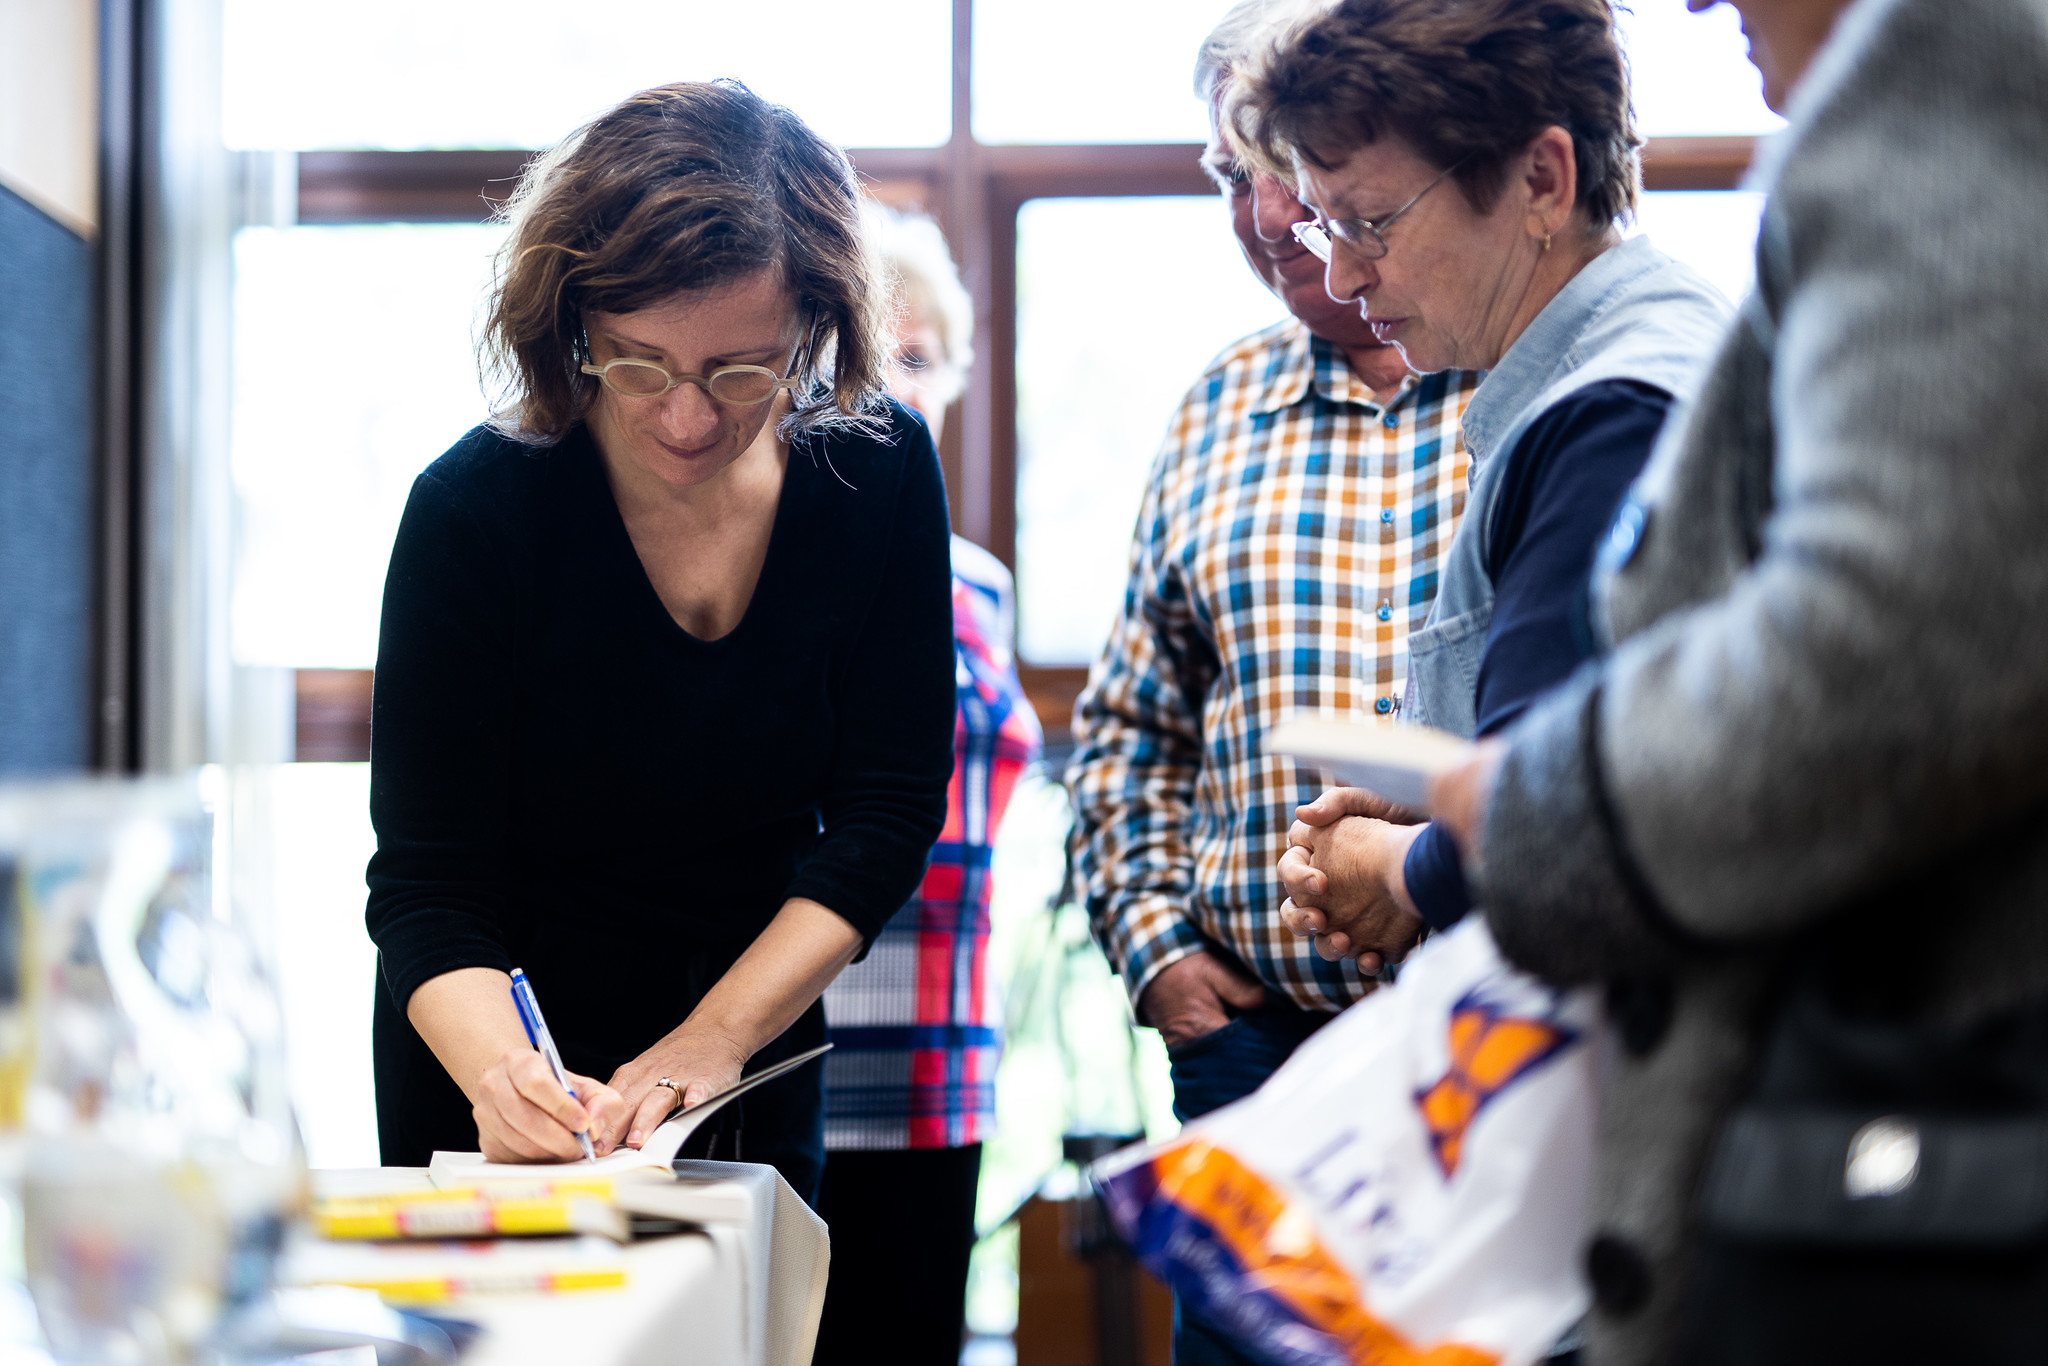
(1362, 235)
(741, 385)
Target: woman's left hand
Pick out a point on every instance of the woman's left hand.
(1458, 797)
(780, 975)
(699, 1059)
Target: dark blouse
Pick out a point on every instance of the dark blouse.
(1562, 483)
(565, 780)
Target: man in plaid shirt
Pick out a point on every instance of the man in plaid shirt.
(1288, 542)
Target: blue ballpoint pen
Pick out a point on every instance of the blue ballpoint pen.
(544, 1042)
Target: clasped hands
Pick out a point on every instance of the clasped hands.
(523, 1115)
(1343, 875)
(1343, 869)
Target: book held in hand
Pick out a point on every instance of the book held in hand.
(1395, 761)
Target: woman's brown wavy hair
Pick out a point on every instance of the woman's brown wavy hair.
(1465, 83)
(683, 187)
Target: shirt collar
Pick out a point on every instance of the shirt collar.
(1308, 361)
(1545, 351)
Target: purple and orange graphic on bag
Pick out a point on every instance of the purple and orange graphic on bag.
(1408, 1189)
(1491, 1049)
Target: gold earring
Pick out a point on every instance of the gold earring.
(1546, 241)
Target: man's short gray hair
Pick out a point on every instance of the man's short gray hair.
(1236, 33)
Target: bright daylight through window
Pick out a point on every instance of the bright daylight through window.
(319, 502)
(1093, 401)
(332, 422)
(521, 73)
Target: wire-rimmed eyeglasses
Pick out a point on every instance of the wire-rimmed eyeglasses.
(740, 385)
(1362, 235)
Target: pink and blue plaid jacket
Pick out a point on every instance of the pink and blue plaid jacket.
(916, 1028)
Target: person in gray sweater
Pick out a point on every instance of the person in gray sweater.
(1795, 820)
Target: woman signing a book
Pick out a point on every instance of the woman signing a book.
(664, 705)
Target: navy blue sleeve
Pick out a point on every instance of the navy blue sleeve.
(1435, 878)
(1559, 490)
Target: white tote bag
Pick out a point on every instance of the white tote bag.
(1410, 1187)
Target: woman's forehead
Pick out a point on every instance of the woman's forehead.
(754, 314)
(1363, 178)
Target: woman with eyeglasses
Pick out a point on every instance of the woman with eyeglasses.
(664, 704)
(1471, 167)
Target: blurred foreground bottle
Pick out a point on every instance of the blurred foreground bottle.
(142, 1064)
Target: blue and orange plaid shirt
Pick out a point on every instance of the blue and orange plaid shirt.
(1289, 541)
(915, 1025)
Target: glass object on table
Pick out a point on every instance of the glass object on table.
(159, 1157)
(1091, 71)
(1108, 343)
(407, 74)
(354, 370)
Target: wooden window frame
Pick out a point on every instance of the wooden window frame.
(974, 190)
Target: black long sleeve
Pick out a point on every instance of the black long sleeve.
(445, 876)
(565, 780)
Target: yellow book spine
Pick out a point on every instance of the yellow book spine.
(357, 1224)
(560, 1207)
(587, 1280)
(438, 1289)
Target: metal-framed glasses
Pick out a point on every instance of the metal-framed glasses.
(1362, 235)
(741, 385)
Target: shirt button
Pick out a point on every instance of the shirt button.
(1620, 1275)
(1641, 1009)
(1387, 516)
(1391, 420)
(1383, 705)
(1386, 612)
(1624, 536)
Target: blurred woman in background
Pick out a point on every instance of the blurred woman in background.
(910, 1084)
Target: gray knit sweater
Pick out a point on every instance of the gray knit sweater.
(1824, 712)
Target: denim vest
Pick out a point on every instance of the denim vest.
(1633, 313)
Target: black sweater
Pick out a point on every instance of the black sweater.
(565, 780)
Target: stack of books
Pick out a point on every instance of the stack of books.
(477, 1227)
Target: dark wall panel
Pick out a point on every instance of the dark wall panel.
(46, 490)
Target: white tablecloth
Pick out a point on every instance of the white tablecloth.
(742, 1293)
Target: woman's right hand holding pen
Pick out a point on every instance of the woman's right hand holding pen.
(523, 1114)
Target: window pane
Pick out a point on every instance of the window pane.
(1129, 79)
(1691, 72)
(1713, 231)
(522, 73)
(353, 371)
(319, 839)
(1105, 351)
(1090, 70)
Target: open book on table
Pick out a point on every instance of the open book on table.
(1395, 761)
(649, 1162)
